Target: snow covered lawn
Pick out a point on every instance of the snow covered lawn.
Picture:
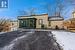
(65, 39)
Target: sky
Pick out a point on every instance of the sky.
(15, 7)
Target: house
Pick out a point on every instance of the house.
(55, 22)
(33, 21)
(40, 21)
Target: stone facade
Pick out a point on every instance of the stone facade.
(45, 21)
(56, 22)
(41, 20)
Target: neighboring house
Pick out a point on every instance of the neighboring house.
(4, 25)
(14, 25)
(7, 25)
(40, 21)
(56, 22)
(70, 23)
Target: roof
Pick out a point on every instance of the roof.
(55, 18)
(34, 15)
(26, 18)
(31, 16)
(39, 14)
(72, 19)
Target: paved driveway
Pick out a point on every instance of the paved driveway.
(28, 40)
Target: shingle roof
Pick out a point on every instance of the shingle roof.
(54, 18)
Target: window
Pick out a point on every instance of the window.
(40, 21)
(49, 23)
(21, 21)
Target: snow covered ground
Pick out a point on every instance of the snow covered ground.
(2, 32)
(65, 39)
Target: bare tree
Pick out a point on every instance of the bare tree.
(59, 7)
(72, 2)
(23, 12)
(4, 25)
(32, 11)
(47, 6)
(28, 12)
(49, 9)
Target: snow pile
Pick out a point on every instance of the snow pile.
(65, 39)
(14, 29)
(2, 32)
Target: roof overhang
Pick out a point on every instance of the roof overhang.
(55, 18)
